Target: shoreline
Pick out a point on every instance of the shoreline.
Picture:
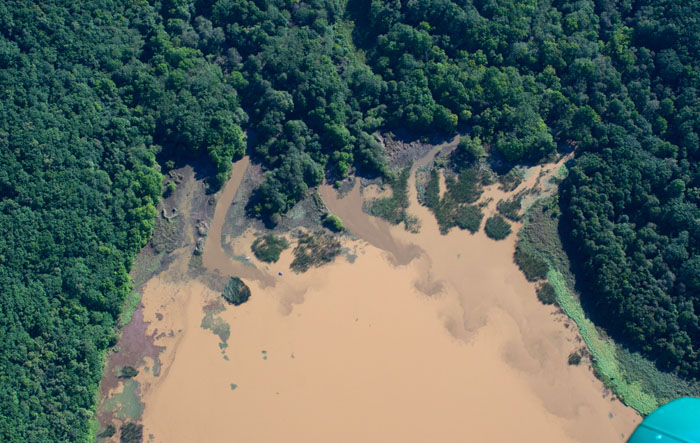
(291, 293)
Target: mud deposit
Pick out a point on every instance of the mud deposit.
(423, 337)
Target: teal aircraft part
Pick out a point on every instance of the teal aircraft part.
(678, 421)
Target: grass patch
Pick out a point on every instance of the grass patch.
(466, 188)
(603, 351)
(534, 267)
(269, 247)
(109, 431)
(510, 208)
(497, 227)
(424, 174)
(454, 208)
(167, 234)
(132, 302)
(127, 404)
(469, 218)
(432, 189)
(314, 250)
(131, 433)
(145, 265)
(664, 386)
(633, 378)
(559, 177)
(392, 209)
(512, 179)
(216, 324)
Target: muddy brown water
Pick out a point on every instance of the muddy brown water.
(423, 337)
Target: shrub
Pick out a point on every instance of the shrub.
(532, 266)
(546, 293)
(236, 291)
(432, 189)
(469, 218)
(574, 358)
(468, 151)
(512, 179)
(314, 250)
(451, 209)
(497, 227)
(466, 188)
(510, 208)
(131, 433)
(128, 372)
(393, 209)
(109, 431)
(333, 222)
(169, 189)
(269, 247)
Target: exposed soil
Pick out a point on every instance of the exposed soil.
(401, 150)
(184, 208)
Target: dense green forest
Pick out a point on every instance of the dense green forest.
(632, 196)
(98, 98)
(92, 94)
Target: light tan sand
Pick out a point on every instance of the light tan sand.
(425, 338)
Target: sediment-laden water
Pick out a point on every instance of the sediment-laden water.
(406, 338)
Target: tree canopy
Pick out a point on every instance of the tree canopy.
(99, 97)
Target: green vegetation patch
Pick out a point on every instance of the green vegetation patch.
(80, 137)
(497, 227)
(465, 187)
(432, 189)
(128, 372)
(455, 208)
(333, 222)
(423, 176)
(469, 217)
(236, 291)
(510, 208)
(469, 151)
(108, 431)
(534, 267)
(269, 247)
(574, 358)
(665, 386)
(216, 324)
(127, 404)
(314, 250)
(512, 179)
(167, 233)
(635, 379)
(603, 351)
(132, 302)
(131, 433)
(170, 188)
(546, 293)
(392, 209)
